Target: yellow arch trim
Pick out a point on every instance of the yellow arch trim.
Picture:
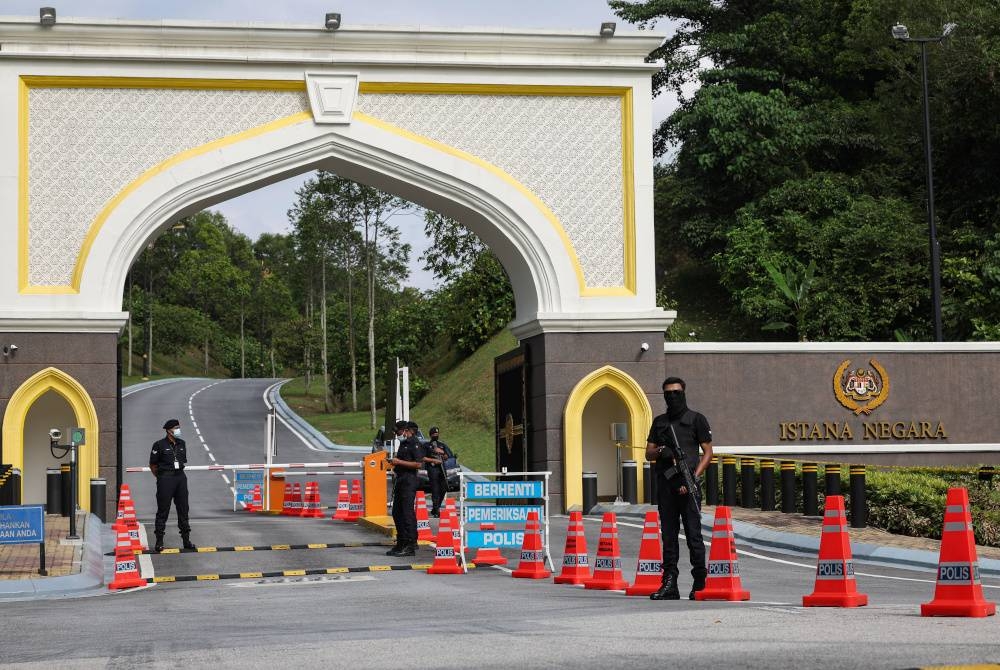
(43, 381)
(27, 82)
(640, 418)
(628, 165)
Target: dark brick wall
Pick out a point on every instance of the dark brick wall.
(91, 359)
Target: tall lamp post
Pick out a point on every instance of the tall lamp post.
(900, 32)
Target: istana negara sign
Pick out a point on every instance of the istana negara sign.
(861, 391)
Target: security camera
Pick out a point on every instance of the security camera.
(332, 21)
(55, 434)
(644, 346)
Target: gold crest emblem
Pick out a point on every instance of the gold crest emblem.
(861, 390)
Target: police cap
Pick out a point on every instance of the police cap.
(171, 423)
(434, 430)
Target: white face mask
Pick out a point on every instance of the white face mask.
(176, 432)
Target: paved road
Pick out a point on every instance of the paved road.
(481, 619)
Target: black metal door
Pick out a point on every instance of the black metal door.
(510, 382)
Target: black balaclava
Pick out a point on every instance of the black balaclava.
(676, 404)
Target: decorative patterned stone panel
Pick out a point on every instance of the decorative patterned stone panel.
(87, 144)
(567, 150)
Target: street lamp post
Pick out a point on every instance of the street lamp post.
(900, 32)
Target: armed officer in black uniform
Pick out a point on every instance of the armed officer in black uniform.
(409, 458)
(675, 502)
(166, 461)
(437, 452)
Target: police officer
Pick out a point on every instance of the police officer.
(437, 453)
(166, 461)
(675, 504)
(409, 458)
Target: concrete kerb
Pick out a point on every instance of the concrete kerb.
(766, 538)
(309, 433)
(91, 576)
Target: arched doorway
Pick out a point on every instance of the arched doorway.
(605, 396)
(48, 399)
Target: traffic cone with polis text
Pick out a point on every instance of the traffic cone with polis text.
(445, 559)
(532, 565)
(126, 565)
(649, 571)
(356, 508)
(608, 563)
(452, 510)
(424, 533)
(343, 502)
(959, 591)
(286, 501)
(576, 562)
(489, 555)
(723, 580)
(835, 583)
(256, 502)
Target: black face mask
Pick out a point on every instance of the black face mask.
(676, 403)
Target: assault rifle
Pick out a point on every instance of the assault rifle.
(680, 462)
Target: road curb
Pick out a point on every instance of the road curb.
(783, 541)
(303, 427)
(91, 575)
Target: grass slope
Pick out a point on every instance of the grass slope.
(460, 403)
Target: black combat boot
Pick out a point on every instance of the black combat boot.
(408, 550)
(699, 582)
(188, 544)
(668, 590)
(396, 548)
(158, 547)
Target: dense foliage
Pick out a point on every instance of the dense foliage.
(803, 143)
(326, 300)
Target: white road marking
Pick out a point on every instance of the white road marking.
(210, 455)
(198, 430)
(225, 477)
(301, 581)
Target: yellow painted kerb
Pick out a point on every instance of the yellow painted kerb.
(640, 415)
(53, 379)
(27, 82)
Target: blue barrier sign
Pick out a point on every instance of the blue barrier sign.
(485, 539)
(504, 489)
(244, 482)
(22, 524)
(501, 513)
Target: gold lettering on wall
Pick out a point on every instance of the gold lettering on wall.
(813, 431)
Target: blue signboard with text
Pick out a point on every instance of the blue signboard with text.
(22, 524)
(245, 480)
(509, 489)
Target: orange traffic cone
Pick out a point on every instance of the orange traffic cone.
(343, 502)
(124, 494)
(424, 533)
(126, 565)
(723, 581)
(311, 506)
(132, 527)
(608, 564)
(286, 501)
(649, 571)
(256, 502)
(532, 565)
(835, 583)
(445, 560)
(959, 591)
(489, 555)
(356, 507)
(576, 563)
(456, 530)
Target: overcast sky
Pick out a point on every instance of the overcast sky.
(265, 210)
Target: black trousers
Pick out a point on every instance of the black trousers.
(172, 486)
(438, 485)
(676, 509)
(403, 514)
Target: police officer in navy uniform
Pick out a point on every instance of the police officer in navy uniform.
(409, 458)
(166, 461)
(437, 452)
(675, 504)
